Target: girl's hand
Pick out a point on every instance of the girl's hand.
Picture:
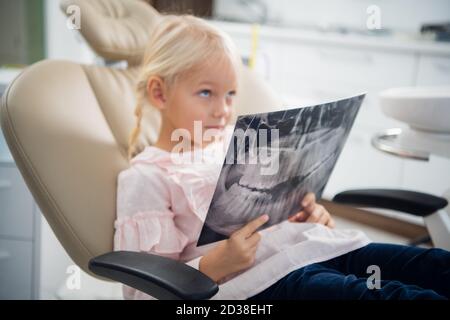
(313, 212)
(234, 254)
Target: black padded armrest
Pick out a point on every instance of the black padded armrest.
(160, 277)
(416, 203)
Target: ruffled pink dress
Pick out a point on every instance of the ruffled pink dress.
(161, 207)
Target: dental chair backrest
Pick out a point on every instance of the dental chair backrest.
(67, 124)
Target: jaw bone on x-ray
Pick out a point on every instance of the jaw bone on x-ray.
(273, 160)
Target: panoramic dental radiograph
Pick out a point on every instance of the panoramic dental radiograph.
(273, 160)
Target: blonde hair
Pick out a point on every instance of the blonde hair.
(178, 44)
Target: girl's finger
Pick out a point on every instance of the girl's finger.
(302, 215)
(314, 216)
(252, 226)
(324, 218)
(253, 252)
(293, 217)
(253, 246)
(254, 239)
(308, 199)
(298, 217)
(331, 223)
(310, 208)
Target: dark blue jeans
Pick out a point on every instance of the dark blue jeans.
(405, 273)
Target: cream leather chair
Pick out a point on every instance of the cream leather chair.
(67, 126)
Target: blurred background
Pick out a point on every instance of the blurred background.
(308, 51)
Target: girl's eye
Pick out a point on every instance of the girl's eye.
(231, 94)
(205, 93)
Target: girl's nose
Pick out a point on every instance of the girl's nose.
(222, 110)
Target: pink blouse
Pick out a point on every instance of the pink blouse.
(161, 207)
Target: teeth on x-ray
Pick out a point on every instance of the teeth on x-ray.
(306, 150)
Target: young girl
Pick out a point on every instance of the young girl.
(190, 75)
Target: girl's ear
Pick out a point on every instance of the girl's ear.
(156, 92)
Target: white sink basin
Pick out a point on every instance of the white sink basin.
(422, 108)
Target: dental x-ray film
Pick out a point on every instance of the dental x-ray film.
(273, 160)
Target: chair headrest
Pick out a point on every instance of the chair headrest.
(115, 29)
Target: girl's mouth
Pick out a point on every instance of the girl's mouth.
(215, 127)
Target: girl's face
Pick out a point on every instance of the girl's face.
(204, 94)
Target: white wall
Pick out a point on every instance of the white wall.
(401, 15)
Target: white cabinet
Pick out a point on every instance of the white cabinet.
(351, 66)
(330, 72)
(433, 70)
(19, 236)
(315, 71)
(362, 166)
(16, 212)
(16, 269)
(19, 226)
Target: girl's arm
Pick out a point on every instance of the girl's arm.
(238, 252)
(234, 254)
